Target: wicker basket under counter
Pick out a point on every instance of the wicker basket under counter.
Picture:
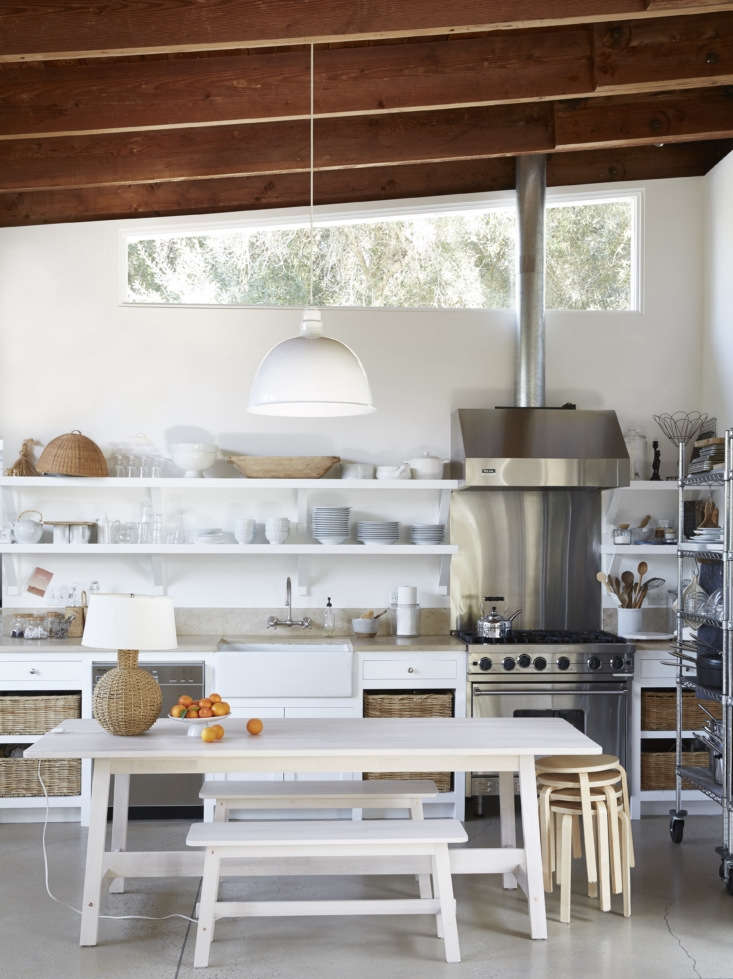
(19, 777)
(31, 713)
(657, 768)
(411, 703)
(658, 710)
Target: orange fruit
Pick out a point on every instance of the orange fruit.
(220, 710)
(192, 712)
(185, 700)
(215, 698)
(219, 730)
(225, 705)
(209, 734)
(205, 712)
(178, 711)
(255, 725)
(205, 702)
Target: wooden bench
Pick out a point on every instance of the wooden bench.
(334, 794)
(284, 839)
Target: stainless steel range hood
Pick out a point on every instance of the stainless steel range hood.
(538, 447)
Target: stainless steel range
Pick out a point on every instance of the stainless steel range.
(584, 677)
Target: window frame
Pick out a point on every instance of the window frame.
(375, 211)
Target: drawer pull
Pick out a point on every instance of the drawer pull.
(33, 670)
(410, 669)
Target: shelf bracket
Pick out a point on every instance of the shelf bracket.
(302, 577)
(444, 574)
(157, 568)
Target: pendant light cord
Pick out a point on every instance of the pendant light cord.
(312, 164)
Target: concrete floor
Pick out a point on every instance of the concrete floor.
(681, 924)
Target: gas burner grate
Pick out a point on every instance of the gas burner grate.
(537, 637)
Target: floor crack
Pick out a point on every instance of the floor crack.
(690, 956)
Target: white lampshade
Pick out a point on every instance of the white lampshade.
(130, 622)
(310, 376)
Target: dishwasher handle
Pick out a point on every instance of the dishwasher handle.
(551, 692)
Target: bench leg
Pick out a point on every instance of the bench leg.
(443, 885)
(120, 806)
(423, 880)
(507, 820)
(207, 902)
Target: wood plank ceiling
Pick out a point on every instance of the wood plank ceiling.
(132, 108)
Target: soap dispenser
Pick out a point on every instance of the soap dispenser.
(329, 618)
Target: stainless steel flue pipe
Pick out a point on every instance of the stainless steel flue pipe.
(529, 388)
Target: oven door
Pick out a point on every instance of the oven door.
(599, 709)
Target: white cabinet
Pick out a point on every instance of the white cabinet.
(415, 668)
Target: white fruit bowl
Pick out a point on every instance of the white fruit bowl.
(194, 457)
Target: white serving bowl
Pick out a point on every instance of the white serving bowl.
(365, 627)
(194, 457)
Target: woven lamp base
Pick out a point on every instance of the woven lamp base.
(127, 699)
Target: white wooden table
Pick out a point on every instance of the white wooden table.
(503, 745)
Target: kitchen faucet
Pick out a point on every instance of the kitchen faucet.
(273, 622)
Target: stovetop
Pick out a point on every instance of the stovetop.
(557, 654)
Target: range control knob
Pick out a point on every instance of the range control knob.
(540, 663)
(617, 664)
(563, 663)
(594, 663)
(484, 663)
(508, 663)
(525, 660)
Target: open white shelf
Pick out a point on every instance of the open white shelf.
(274, 550)
(646, 549)
(648, 484)
(228, 483)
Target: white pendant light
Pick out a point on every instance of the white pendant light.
(310, 375)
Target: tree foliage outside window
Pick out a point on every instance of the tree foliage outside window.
(461, 260)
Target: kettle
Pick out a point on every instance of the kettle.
(27, 530)
(492, 624)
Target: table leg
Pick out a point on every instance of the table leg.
(507, 820)
(532, 850)
(120, 806)
(93, 873)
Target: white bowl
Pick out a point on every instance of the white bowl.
(365, 627)
(194, 457)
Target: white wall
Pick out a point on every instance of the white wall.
(72, 357)
(717, 360)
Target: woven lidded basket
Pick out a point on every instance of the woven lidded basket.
(72, 454)
(19, 777)
(659, 710)
(36, 713)
(657, 768)
(284, 467)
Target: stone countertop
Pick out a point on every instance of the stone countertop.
(209, 644)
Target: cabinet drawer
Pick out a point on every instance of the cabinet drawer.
(410, 668)
(68, 674)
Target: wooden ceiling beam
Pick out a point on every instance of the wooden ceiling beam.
(340, 186)
(152, 92)
(74, 29)
(365, 141)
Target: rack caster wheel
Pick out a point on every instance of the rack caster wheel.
(676, 829)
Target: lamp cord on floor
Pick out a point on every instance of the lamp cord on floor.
(116, 917)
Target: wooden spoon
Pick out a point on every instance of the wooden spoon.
(627, 577)
(642, 567)
(603, 579)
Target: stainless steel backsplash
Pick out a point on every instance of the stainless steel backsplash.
(537, 548)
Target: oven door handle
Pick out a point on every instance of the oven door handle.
(552, 692)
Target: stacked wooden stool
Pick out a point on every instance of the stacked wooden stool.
(584, 807)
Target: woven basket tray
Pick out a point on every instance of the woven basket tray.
(19, 777)
(284, 467)
(36, 713)
(658, 710)
(411, 704)
(657, 768)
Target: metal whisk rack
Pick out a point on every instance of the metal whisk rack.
(716, 785)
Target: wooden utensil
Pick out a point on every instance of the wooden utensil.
(603, 578)
(627, 577)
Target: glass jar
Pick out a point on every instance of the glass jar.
(621, 535)
(637, 447)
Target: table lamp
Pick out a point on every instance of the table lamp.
(127, 699)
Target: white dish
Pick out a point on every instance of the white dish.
(195, 724)
(194, 457)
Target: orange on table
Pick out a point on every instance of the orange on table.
(219, 730)
(220, 709)
(209, 734)
(254, 725)
(185, 700)
(215, 698)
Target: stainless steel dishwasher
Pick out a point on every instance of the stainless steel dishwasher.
(156, 796)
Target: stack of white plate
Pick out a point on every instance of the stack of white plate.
(331, 524)
(213, 535)
(427, 533)
(378, 531)
(708, 535)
